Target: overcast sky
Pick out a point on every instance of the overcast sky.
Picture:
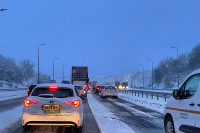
(108, 36)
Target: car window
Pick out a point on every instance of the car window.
(59, 93)
(110, 87)
(192, 85)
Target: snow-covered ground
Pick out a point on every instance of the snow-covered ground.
(154, 104)
(105, 119)
(5, 95)
(10, 116)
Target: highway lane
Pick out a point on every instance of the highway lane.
(140, 119)
(89, 125)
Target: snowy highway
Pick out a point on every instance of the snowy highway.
(100, 115)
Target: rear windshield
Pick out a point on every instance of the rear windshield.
(32, 86)
(110, 87)
(78, 87)
(59, 93)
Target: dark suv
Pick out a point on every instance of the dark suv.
(30, 89)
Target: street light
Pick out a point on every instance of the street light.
(177, 65)
(143, 73)
(152, 73)
(64, 71)
(3, 10)
(53, 66)
(39, 62)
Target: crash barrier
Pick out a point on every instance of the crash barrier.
(148, 93)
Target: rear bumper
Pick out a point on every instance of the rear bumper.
(107, 95)
(48, 120)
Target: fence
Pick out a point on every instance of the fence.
(148, 93)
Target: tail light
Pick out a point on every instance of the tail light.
(28, 90)
(81, 91)
(116, 90)
(104, 90)
(27, 102)
(97, 88)
(53, 88)
(76, 103)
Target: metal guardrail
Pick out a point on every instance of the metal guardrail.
(148, 93)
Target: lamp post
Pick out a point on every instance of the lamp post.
(177, 65)
(152, 73)
(64, 71)
(53, 65)
(143, 73)
(39, 62)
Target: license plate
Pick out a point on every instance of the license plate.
(49, 109)
(110, 93)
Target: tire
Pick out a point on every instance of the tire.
(169, 125)
(26, 128)
(79, 130)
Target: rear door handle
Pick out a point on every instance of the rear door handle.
(191, 104)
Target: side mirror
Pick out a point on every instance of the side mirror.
(175, 94)
(187, 93)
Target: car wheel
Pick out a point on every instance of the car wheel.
(169, 125)
(79, 130)
(26, 128)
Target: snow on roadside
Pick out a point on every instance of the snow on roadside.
(106, 120)
(5, 95)
(10, 116)
(154, 104)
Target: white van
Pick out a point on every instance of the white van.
(182, 111)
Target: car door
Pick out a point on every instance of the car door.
(186, 105)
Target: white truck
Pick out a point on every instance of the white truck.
(182, 111)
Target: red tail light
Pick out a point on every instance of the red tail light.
(53, 88)
(97, 88)
(27, 102)
(116, 90)
(76, 103)
(104, 90)
(81, 91)
(28, 90)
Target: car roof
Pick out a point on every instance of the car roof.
(56, 84)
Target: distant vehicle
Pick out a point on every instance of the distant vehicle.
(81, 90)
(123, 85)
(182, 111)
(98, 89)
(66, 82)
(31, 87)
(53, 105)
(117, 84)
(109, 91)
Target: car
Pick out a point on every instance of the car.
(31, 87)
(54, 105)
(98, 89)
(81, 91)
(109, 91)
(182, 111)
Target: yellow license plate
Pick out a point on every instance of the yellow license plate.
(110, 94)
(51, 109)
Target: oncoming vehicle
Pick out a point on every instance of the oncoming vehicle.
(31, 87)
(109, 91)
(55, 105)
(182, 111)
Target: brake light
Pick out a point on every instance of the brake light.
(116, 90)
(81, 91)
(28, 90)
(27, 102)
(97, 88)
(104, 90)
(53, 88)
(76, 103)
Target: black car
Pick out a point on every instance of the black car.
(30, 89)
